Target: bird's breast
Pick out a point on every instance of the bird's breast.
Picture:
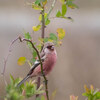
(49, 63)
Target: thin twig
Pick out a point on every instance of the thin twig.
(6, 59)
(51, 8)
(43, 34)
(46, 87)
(9, 51)
(43, 24)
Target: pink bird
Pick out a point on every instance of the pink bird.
(48, 57)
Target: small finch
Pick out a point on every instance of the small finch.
(48, 57)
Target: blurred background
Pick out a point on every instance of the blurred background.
(79, 56)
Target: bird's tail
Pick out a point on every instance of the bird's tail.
(22, 81)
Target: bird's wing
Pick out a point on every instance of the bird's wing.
(37, 62)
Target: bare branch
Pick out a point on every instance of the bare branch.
(51, 8)
(9, 51)
(45, 80)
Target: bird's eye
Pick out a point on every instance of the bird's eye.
(49, 47)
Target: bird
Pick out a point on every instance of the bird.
(48, 57)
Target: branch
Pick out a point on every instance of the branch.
(43, 24)
(46, 87)
(51, 8)
(43, 34)
(6, 59)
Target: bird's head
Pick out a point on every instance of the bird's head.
(49, 46)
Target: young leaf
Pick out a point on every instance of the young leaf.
(85, 94)
(39, 46)
(12, 79)
(40, 17)
(45, 39)
(58, 14)
(27, 35)
(37, 2)
(36, 7)
(33, 60)
(61, 33)
(44, 2)
(34, 54)
(86, 89)
(50, 40)
(62, 1)
(40, 40)
(42, 97)
(21, 61)
(71, 4)
(36, 28)
(64, 9)
(47, 22)
(53, 36)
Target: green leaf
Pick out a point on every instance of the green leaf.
(39, 46)
(96, 91)
(47, 22)
(71, 4)
(27, 35)
(85, 94)
(64, 9)
(53, 36)
(36, 7)
(58, 14)
(97, 95)
(37, 2)
(45, 39)
(34, 54)
(42, 97)
(33, 60)
(11, 79)
(21, 61)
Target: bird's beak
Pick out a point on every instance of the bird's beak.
(52, 48)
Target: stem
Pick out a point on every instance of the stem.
(45, 80)
(6, 59)
(43, 24)
(51, 8)
(43, 34)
